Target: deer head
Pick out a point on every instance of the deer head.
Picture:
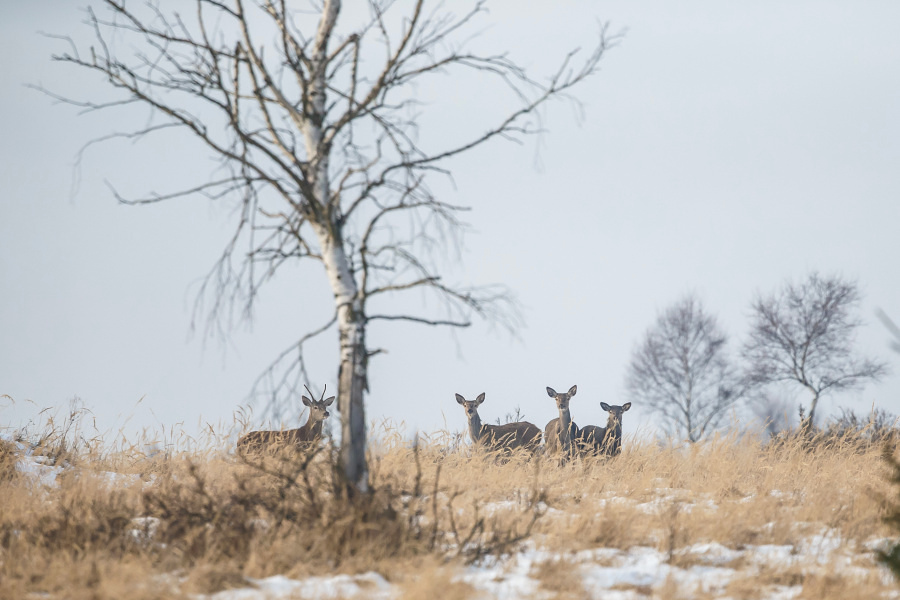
(470, 406)
(615, 413)
(318, 409)
(562, 400)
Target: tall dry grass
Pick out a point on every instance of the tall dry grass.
(183, 522)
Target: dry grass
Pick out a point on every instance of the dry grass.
(560, 577)
(209, 579)
(825, 585)
(430, 579)
(215, 519)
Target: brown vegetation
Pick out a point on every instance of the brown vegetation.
(199, 522)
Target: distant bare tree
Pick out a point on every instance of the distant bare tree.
(681, 371)
(315, 124)
(804, 334)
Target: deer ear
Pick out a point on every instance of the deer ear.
(551, 392)
(328, 401)
(572, 390)
(306, 401)
(604, 406)
(626, 406)
(480, 398)
(460, 399)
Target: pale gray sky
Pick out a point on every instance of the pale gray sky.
(725, 147)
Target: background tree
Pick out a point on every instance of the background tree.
(681, 371)
(315, 127)
(804, 334)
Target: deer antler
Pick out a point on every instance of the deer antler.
(311, 395)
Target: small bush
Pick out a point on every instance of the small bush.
(848, 431)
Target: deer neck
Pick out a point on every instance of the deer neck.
(565, 423)
(312, 429)
(614, 428)
(614, 432)
(475, 428)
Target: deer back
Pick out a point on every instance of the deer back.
(590, 440)
(302, 438)
(256, 441)
(520, 434)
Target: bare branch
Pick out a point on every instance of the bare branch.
(421, 320)
(276, 385)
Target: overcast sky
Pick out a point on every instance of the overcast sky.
(724, 148)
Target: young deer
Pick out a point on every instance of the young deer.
(511, 436)
(596, 441)
(560, 432)
(304, 438)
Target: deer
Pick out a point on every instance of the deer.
(561, 431)
(507, 438)
(303, 439)
(592, 440)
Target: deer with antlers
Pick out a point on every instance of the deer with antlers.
(304, 438)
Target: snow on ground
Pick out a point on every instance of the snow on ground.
(492, 508)
(368, 585)
(611, 573)
(42, 474)
(33, 467)
(607, 573)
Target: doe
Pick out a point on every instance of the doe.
(508, 437)
(561, 431)
(596, 441)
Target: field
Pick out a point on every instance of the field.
(727, 518)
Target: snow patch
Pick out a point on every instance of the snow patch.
(368, 585)
(143, 529)
(41, 474)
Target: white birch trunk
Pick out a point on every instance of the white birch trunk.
(352, 376)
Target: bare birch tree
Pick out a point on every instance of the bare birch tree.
(681, 371)
(804, 334)
(315, 126)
